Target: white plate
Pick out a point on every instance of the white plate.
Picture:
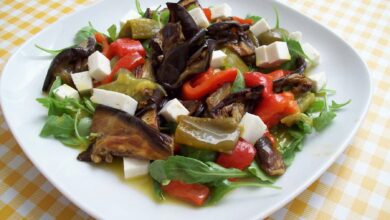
(103, 195)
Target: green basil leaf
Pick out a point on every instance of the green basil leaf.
(254, 18)
(336, 106)
(157, 171)
(256, 171)
(112, 32)
(323, 120)
(239, 83)
(58, 126)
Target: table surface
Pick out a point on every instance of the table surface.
(356, 186)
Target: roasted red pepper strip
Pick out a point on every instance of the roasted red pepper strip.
(124, 46)
(241, 157)
(207, 83)
(207, 12)
(129, 62)
(101, 39)
(242, 20)
(273, 107)
(196, 194)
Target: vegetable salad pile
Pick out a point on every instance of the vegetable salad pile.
(201, 101)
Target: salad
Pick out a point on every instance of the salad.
(199, 100)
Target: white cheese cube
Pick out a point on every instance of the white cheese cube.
(272, 55)
(217, 59)
(82, 81)
(129, 16)
(199, 17)
(259, 27)
(222, 10)
(66, 91)
(311, 53)
(261, 56)
(172, 109)
(296, 35)
(133, 167)
(114, 100)
(319, 80)
(99, 66)
(253, 128)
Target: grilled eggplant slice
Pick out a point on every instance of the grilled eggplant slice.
(122, 135)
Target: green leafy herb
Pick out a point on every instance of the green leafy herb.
(256, 171)
(323, 120)
(277, 26)
(112, 32)
(224, 187)
(58, 126)
(336, 106)
(158, 193)
(289, 141)
(254, 18)
(199, 154)
(317, 106)
(239, 83)
(53, 52)
(84, 33)
(296, 51)
(84, 125)
(139, 9)
(190, 170)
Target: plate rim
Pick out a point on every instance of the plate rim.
(278, 205)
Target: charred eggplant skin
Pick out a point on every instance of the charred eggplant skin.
(69, 61)
(269, 158)
(122, 135)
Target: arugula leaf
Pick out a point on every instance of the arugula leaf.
(277, 18)
(158, 193)
(50, 51)
(336, 106)
(323, 120)
(84, 33)
(112, 32)
(239, 83)
(83, 126)
(256, 171)
(199, 154)
(289, 141)
(57, 83)
(190, 170)
(317, 106)
(58, 126)
(139, 9)
(224, 187)
(73, 142)
(254, 18)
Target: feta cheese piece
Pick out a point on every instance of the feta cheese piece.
(172, 109)
(259, 27)
(129, 16)
(99, 66)
(82, 81)
(133, 167)
(222, 10)
(312, 53)
(253, 128)
(66, 91)
(272, 55)
(296, 35)
(217, 59)
(114, 100)
(199, 17)
(319, 80)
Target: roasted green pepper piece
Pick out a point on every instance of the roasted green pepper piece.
(139, 29)
(305, 101)
(139, 89)
(207, 133)
(276, 34)
(233, 60)
(293, 119)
